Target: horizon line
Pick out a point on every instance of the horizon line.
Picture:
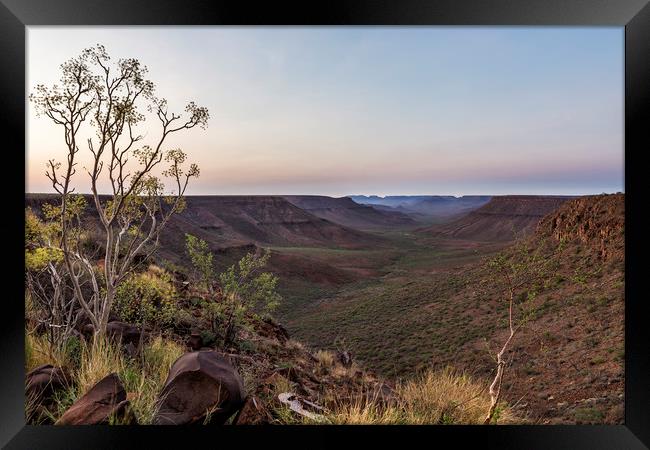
(358, 195)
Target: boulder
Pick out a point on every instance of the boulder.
(40, 386)
(104, 400)
(345, 358)
(119, 331)
(200, 383)
(128, 334)
(43, 381)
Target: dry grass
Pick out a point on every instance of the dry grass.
(282, 384)
(154, 269)
(341, 371)
(159, 355)
(443, 397)
(292, 344)
(39, 350)
(325, 358)
(98, 359)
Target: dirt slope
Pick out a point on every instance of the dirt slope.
(268, 220)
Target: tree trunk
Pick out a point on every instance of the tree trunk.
(495, 387)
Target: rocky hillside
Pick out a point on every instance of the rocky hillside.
(236, 225)
(437, 308)
(571, 355)
(567, 361)
(503, 218)
(348, 213)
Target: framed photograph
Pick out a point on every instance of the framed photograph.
(362, 220)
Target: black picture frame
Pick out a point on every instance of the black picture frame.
(634, 15)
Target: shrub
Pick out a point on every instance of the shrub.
(201, 257)
(46, 276)
(247, 346)
(72, 350)
(208, 338)
(245, 294)
(147, 297)
(597, 360)
(589, 415)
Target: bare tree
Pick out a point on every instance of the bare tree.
(521, 274)
(106, 98)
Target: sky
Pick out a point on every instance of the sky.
(368, 110)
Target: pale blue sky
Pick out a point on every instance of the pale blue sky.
(373, 110)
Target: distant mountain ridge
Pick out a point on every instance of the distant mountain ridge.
(395, 200)
(425, 206)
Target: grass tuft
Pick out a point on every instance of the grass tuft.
(442, 397)
(145, 382)
(99, 358)
(325, 358)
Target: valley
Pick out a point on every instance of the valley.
(404, 295)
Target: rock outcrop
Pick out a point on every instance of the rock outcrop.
(118, 331)
(595, 221)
